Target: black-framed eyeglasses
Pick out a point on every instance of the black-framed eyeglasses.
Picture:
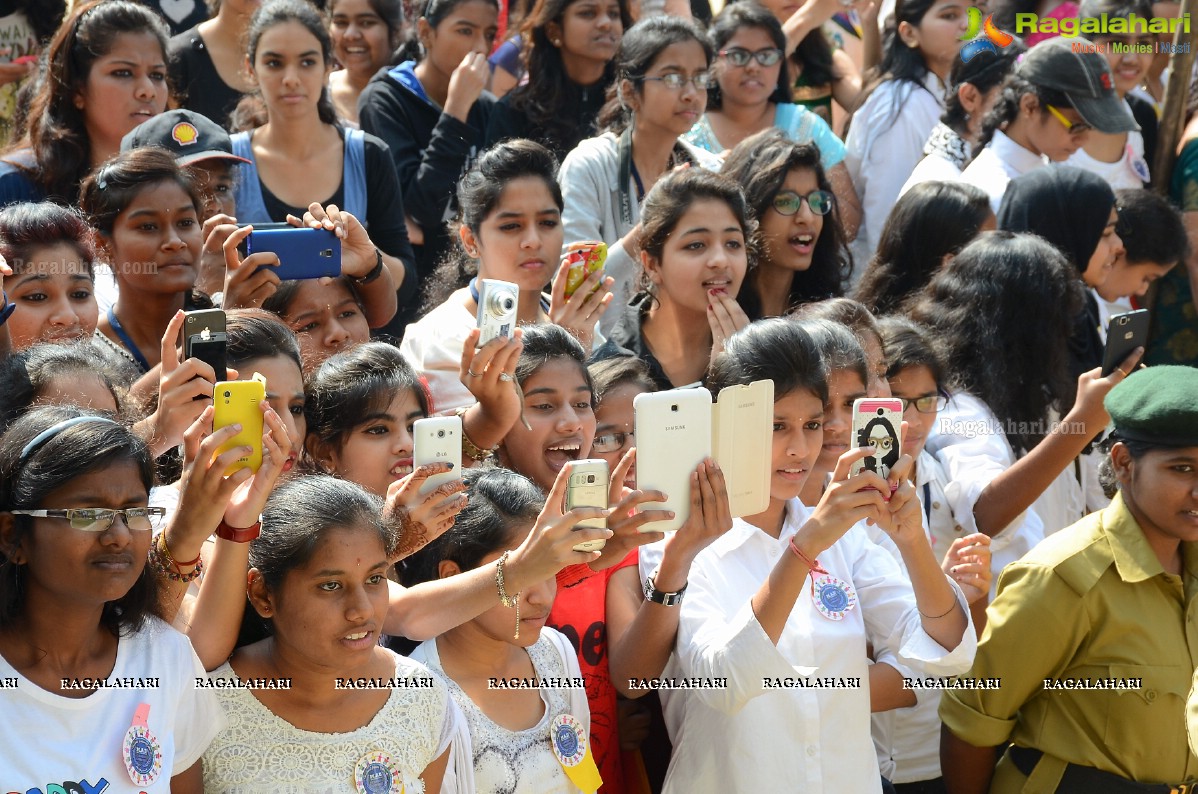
(739, 56)
(612, 441)
(928, 404)
(788, 202)
(99, 519)
(675, 80)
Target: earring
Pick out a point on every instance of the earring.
(912, 44)
(556, 42)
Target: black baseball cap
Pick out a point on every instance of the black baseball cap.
(189, 136)
(1074, 67)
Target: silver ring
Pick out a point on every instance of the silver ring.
(506, 377)
(472, 373)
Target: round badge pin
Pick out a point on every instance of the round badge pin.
(140, 751)
(377, 773)
(569, 740)
(833, 598)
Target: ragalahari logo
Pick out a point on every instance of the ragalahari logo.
(981, 38)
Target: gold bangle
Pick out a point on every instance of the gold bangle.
(508, 601)
(469, 448)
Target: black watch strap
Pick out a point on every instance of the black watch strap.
(659, 597)
(375, 272)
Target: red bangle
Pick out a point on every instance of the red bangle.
(237, 534)
(179, 566)
(812, 564)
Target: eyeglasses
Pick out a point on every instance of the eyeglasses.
(789, 202)
(928, 404)
(738, 56)
(610, 442)
(99, 519)
(1073, 128)
(675, 81)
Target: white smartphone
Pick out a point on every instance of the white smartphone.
(878, 423)
(586, 486)
(742, 435)
(497, 304)
(673, 436)
(438, 439)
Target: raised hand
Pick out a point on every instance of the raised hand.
(422, 518)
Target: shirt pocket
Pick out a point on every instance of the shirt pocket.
(1142, 721)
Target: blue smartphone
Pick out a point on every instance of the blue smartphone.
(303, 252)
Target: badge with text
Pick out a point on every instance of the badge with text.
(141, 752)
(573, 751)
(833, 598)
(377, 773)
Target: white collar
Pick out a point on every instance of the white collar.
(743, 532)
(1020, 159)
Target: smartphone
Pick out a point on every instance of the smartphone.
(673, 436)
(742, 430)
(438, 439)
(497, 304)
(877, 422)
(303, 252)
(587, 487)
(204, 338)
(584, 258)
(1124, 333)
(236, 402)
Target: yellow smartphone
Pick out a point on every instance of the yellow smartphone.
(584, 258)
(236, 402)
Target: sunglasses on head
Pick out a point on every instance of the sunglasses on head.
(788, 202)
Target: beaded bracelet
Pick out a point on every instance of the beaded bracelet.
(472, 450)
(504, 598)
(178, 566)
(160, 563)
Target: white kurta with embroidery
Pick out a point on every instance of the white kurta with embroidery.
(753, 737)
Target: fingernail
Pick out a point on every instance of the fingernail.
(450, 464)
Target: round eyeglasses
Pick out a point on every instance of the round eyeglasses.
(788, 202)
(739, 56)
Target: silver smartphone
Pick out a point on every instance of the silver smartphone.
(586, 486)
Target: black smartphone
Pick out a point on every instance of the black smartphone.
(1124, 333)
(204, 338)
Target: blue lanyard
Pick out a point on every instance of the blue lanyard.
(126, 341)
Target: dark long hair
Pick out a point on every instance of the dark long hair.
(899, 63)
(776, 349)
(543, 97)
(44, 16)
(479, 191)
(107, 192)
(251, 111)
(1000, 315)
(26, 480)
(930, 221)
(434, 13)
(1006, 107)
(26, 228)
(639, 50)
(983, 73)
(737, 17)
(391, 12)
(57, 131)
(760, 164)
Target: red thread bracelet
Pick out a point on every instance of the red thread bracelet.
(813, 565)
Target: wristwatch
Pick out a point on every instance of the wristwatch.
(375, 271)
(237, 534)
(658, 597)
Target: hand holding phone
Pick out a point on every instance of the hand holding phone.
(587, 487)
(584, 259)
(877, 423)
(204, 338)
(1124, 333)
(438, 439)
(236, 403)
(498, 302)
(303, 253)
(673, 434)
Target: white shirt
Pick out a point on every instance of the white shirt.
(749, 738)
(884, 144)
(260, 751)
(997, 164)
(1124, 173)
(932, 168)
(53, 742)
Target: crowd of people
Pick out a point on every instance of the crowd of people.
(826, 195)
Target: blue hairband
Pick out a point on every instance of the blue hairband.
(54, 430)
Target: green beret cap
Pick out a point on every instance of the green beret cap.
(1157, 405)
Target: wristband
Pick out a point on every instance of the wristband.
(375, 272)
(238, 534)
(659, 597)
(7, 311)
(469, 448)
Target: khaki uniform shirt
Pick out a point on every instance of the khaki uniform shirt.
(1089, 606)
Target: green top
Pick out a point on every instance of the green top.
(1089, 602)
(1174, 336)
